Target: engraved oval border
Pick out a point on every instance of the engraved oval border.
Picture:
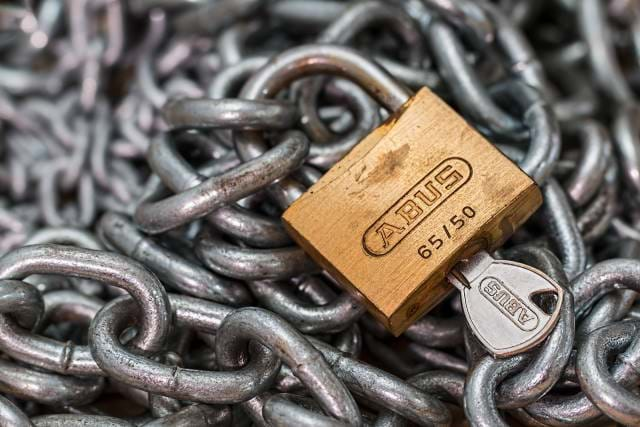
(435, 208)
(502, 309)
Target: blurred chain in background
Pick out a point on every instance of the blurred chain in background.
(148, 148)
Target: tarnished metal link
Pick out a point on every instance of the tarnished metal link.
(29, 384)
(252, 228)
(626, 135)
(598, 216)
(11, 415)
(445, 385)
(160, 216)
(465, 84)
(85, 210)
(384, 389)
(177, 272)
(601, 278)
(522, 60)
(186, 384)
(598, 383)
(228, 114)
(78, 420)
(326, 152)
(195, 415)
(360, 15)
(467, 16)
(280, 410)
(615, 305)
(481, 385)
(302, 358)
(65, 236)
(544, 134)
(578, 408)
(563, 229)
(437, 359)
(344, 30)
(160, 141)
(249, 263)
(590, 171)
(334, 316)
(294, 64)
(597, 35)
(437, 331)
(604, 277)
(112, 269)
(22, 301)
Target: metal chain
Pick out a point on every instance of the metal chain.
(148, 148)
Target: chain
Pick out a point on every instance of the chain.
(148, 148)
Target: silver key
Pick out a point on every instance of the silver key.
(496, 298)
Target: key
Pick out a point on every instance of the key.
(497, 301)
(417, 196)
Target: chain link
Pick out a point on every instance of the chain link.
(148, 148)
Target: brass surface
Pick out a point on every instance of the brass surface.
(420, 193)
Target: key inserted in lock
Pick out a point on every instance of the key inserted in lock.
(497, 301)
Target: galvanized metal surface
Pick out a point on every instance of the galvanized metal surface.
(148, 148)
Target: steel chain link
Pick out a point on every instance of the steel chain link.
(148, 148)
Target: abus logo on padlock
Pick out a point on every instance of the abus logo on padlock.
(416, 204)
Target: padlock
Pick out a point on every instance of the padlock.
(418, 195)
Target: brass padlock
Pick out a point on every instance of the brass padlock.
(394, 216)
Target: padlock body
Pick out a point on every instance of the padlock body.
(420, 193)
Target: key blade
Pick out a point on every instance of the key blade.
(500, 311)
(467, 270)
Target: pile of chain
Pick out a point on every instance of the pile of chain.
(148, 148)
